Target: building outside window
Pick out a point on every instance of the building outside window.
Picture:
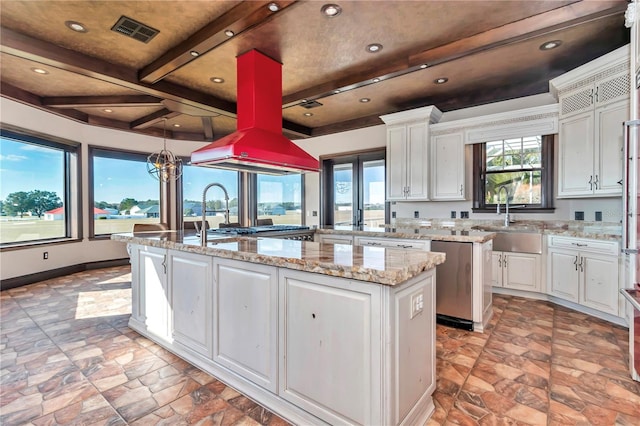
(37, 177)
(123, 193)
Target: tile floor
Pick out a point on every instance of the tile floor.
(68, 357)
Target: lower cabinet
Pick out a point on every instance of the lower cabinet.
(245, 320)
(152, 274)
(585, 272)
(518, 271)
(191, 278)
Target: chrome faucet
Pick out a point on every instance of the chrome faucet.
(203, 229)
(506, 216)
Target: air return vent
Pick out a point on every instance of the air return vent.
(310, 104)
(134, 29)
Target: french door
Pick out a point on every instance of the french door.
(354, 190)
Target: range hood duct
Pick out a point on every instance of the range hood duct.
(258, 145)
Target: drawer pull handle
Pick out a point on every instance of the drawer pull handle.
(579, 244)
(404, 246)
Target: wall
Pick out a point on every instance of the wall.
(20, 262)
(375, 137)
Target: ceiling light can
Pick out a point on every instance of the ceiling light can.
(76, 26)
(273, 7)
(374, 48)
(40, 71)
(441, 80)
(217, 80)
(365, 100)
(331, 10)
(548, 45)
(229, 33)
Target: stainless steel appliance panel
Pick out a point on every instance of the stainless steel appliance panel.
(454, 282)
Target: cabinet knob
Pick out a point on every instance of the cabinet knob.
(596, 182)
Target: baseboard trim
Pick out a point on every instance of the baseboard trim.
(59, 272)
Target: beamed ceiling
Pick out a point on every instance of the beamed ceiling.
(488, 50)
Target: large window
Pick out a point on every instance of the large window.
(518, 168)
(123, 191)
(279, 199)
(35, 188)
(195, 180)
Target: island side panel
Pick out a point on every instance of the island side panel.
(482, 285)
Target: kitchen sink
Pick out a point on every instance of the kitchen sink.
(519, 242)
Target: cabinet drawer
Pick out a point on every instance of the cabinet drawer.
(394, 243)
(593, 246)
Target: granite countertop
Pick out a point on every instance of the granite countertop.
(412, 232)
(372, 264)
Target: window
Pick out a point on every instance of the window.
(355, 192)
(38, 177)
(279, 198)
(123, 192)
(194, 181)
(523, 166)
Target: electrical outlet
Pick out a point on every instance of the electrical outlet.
(453, 214)
(416, 214)
(417, 304)
(45, 255)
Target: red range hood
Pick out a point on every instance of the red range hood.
(258, 145)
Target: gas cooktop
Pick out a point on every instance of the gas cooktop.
(242, 230)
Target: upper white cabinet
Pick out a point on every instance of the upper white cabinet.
(447, 167)
(594, 102)
(408, 153)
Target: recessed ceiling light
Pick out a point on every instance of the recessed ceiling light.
(374, 48)
(365, 100)
(441, 80)
(194, 53)
(107, 110)
(423, 66)
(76, 26)
(217, 80)
(176, 125)
(39, 71)
(331, 10)
(550, 45)
(308, 114)
(336, 91)
(304, 101)
(376, 80)
(229, 33)
(273, 7)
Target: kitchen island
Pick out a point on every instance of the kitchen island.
(317, 333)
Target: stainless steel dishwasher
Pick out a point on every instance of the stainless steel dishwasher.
(454, 301)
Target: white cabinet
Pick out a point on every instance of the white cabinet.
(245, 320)
(585, 272)
(447, 167)
(393, 243)
(152, 274)
(408, 153)
(334, 239)
(137, 289)
(191, 278)
(518, 271)
(594, 102)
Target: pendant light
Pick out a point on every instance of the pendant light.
(164, 165)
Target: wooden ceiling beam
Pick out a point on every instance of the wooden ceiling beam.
(101, 101)
(42, 52)
(152, 119)
(534, 26)
(244, 16)
(207, 127)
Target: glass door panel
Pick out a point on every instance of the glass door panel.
(343, 194)
(373, 193)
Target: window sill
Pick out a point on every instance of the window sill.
(515, 210)
(34, 244)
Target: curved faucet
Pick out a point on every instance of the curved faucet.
(203, 229)
(506, 216)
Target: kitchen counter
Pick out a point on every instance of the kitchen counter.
(371, 264)
(273, 318)
(412, 232)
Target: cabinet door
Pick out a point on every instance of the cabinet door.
(613, 89)
(245, 320)
(447, 165)
(563, 275)
(521, 271)
(609, 147)
(600, 282)
(575, 165)
(417, 162)
(191, 283)
(396, 163)
(576, 101)
(137, 290)
(153, 276)
(496, 269)
(323, 362)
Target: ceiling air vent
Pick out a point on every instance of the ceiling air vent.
(310, 104)
(134, 29)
